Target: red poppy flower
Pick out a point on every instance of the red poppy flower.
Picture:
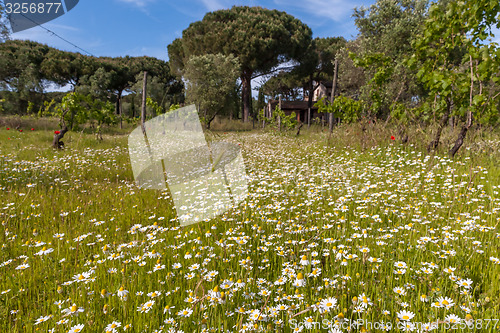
(8, 128)
(20, 130)
(393, 138)
(56, 132)
(32, 129)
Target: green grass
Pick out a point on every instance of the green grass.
(319, 196)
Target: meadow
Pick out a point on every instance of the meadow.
(349, 232)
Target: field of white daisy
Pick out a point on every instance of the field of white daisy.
(332, 238)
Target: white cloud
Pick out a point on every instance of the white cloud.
(53, 26)
(40, 35)
(138, 3)
(212, 5)
(336, 10)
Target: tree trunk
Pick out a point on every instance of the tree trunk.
(121, 113)
(435, 143)
(246, 94)
(462, 135)
(468, 121)
(334, 91)
(132, 107)
(298, 129)
(56, 143)
(279, 117)
(143, 108)
(310, 101)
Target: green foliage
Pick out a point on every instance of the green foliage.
(210, 80)
(76, 109)
(157, 109)
(174, 107)
(387, 29)
(382, 68)
(315, 65)
(456, 62)
(1, 105)
(324, 106)
(344, 108)
(47, 108)
(287, 122)
(260, 38)
(26, 68)
(4, 30)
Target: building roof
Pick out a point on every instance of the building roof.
(291, 105)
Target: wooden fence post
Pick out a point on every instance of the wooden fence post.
(334, 90)
(143, 108)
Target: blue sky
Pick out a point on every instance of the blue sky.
(146, 27)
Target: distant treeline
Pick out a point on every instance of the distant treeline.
(30, 70)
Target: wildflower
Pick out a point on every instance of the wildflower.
(81, 277)
(112, 327)
(122, 293)
(146, 306)
(446, 302)
(400, 264)
(168, 309)
(407, 326)
(429, 326)
(73, 310)
(154, 294)
(453, 319)
(405, 315)
(399, 291)
(42, 319)
(299, 281)
(467, 283)
(23, 266)
(329, 303)
(76, 328)
(393, 138)
(449, 270)
(185, 313)
(44, 251)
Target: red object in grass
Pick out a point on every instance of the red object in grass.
(32, 129)
(56, 132)
(20, 130)
(8, 128)
(393, 138)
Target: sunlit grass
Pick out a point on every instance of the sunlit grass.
(344, 227)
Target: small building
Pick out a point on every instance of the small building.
(299, 107)
(323, 89)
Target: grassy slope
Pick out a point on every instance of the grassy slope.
(309, 195)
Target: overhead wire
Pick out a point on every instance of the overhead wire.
(55, 34)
